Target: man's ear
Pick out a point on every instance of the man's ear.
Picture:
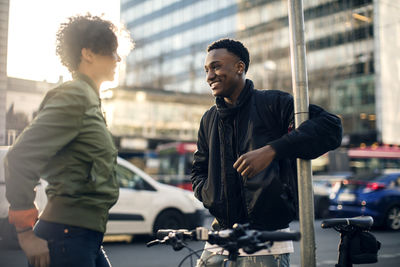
(241, 67)
(87, 55)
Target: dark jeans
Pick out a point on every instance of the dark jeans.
(72, 246)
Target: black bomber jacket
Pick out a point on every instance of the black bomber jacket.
(260, 117)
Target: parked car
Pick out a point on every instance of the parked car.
(143, 207)
(323, 186)
(376, 195)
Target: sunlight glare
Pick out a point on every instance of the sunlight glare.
(32, 34)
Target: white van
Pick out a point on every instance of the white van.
(143, 207)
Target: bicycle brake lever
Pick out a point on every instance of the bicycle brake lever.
(153, 243)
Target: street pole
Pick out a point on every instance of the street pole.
(300, 94)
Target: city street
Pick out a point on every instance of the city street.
(130, 116)
(136, 254)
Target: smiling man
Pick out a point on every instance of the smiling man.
(243, 169)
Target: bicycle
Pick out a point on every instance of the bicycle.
(356, 244)
(239, 237)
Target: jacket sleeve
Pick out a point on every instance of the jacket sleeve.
(56, 124)
(200, 162)
(317, 135)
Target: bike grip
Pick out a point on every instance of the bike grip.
(279, 236)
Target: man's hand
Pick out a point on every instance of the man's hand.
(253, 162)
(35, 248)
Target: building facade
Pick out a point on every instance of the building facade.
(348, 69)
(141, 118)
(4, 14)
(23, 98)
(387, 70)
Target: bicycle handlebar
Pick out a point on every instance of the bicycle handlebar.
(203, 234)
(240, 236)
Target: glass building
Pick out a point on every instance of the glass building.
(171, 37)
(4, 13)
(345, 54)
(340, 56)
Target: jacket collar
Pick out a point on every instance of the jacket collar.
(225, 111)
(81, 76)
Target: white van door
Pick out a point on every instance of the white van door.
(134, 211)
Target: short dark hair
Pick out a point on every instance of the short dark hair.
(234, 47)
(86, 31)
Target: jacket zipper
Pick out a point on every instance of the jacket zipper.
(244, 203)
(224, 186)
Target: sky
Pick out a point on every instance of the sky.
(32, 29)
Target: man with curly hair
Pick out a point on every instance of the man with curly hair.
(243, 167)
(68, 145)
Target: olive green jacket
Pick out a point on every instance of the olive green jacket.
(67, 144)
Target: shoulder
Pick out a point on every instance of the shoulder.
(69, 88)
(67, 94)
(271, 93)
(208, 116)
(77, 91)
(211, 112)
(80, 87)
(272, 98)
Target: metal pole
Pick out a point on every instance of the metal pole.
(300, 93)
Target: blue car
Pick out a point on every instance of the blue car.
(376, 195)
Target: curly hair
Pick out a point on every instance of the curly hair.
(234, 47)
(86, 31)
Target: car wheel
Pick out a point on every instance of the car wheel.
(393, 218)
(169, 219)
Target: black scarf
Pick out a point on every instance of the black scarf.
(224, 111)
